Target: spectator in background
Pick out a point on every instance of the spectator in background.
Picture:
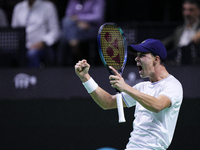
(184, 43)
(80, 24)
(3, 18)
(40, 19)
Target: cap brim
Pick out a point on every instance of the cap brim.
(137, 48)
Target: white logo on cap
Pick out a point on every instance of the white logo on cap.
(23, 80)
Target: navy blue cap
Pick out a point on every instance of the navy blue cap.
(153, 46)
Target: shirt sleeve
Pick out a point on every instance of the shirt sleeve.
(173, 90)
(129, 101)
(53, 33)
(14, 17)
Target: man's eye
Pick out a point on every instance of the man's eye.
(142, 55)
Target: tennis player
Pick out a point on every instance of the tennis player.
(157, 102)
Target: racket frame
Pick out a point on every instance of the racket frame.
(120, 71)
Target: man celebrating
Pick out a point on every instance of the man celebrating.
(157, 101)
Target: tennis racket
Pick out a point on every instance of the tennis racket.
(112, 48)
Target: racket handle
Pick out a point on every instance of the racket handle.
(120, 108)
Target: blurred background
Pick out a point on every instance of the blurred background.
(151, 10)
(46, 107)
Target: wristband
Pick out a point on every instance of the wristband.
(90, 85)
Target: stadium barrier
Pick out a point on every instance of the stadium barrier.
(62, 83)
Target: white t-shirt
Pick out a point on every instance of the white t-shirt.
(41, 22)
(154, 131)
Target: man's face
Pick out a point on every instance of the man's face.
(191, 12)
(145, 63)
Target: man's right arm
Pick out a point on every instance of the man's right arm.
(100, 96)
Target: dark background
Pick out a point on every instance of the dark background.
(79, 123)
(57, 113)
(126, 10)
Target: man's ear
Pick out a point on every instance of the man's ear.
(156, 59)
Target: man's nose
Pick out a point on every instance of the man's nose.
(136, 58)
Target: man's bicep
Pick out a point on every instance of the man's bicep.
(166, 102)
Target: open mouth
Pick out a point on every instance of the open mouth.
(139, 68)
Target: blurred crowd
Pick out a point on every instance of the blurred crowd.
(53, 41)
(184, 44)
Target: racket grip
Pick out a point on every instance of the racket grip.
(120, 108)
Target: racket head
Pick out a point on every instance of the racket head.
(112, 46)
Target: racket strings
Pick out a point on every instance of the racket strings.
(113, 46)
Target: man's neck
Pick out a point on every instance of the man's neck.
(160, 73)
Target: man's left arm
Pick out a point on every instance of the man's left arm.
(149, 102)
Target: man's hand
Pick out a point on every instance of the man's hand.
(83, 25)
(38, 46)
(82, 69)
(196, 38)
(117, 81)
